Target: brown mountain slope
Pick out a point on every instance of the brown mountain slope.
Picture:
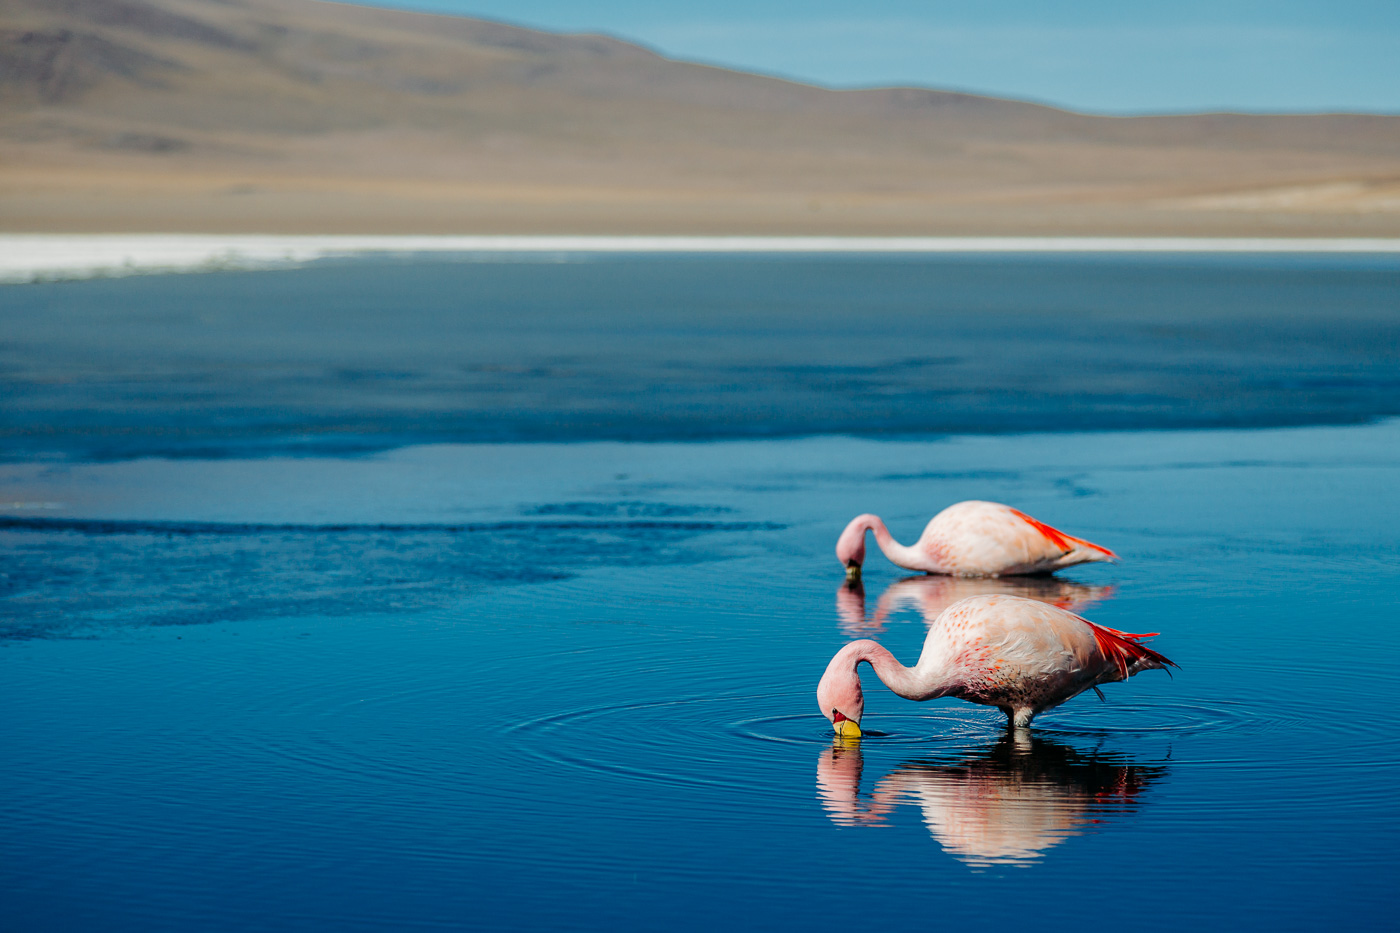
(266, 115)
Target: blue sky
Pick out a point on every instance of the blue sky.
(1095, 55)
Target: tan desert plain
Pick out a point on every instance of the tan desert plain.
(298, 116)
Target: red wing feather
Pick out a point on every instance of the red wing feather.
(1058, 538)
(1123, 649)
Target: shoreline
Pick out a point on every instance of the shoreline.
(46, 257)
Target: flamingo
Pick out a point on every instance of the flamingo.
(972, 539)
(1019, 655)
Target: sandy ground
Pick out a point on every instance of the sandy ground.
(246, 199)
(292, 116)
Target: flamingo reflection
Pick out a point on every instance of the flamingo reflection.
(1002, 805)
(930, 595)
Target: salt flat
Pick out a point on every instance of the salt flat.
(37, 257)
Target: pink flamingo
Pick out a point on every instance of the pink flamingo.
(972, 539)
(1017, 654)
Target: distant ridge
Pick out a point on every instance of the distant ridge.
(304, 116)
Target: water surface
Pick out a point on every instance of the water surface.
(352, 356)
(568, 684)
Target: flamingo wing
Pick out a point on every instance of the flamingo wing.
(1059, 539)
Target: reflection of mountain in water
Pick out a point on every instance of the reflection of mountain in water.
(933, 593)
(1003, 806)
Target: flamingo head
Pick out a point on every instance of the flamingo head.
(850, 547)
(839, 694)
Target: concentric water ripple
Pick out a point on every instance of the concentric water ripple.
(1086, 718)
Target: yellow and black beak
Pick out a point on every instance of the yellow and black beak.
(846, 728)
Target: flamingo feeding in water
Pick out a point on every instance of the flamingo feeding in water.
(1019, 655)
(972, 539)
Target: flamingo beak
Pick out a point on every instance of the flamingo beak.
(845, 728)
(852, 572)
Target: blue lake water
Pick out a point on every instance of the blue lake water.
(284, 649)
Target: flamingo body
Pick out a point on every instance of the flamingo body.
(1019, 655)
(973, 539)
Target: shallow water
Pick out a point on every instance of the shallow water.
(615, 725)
(570, 686)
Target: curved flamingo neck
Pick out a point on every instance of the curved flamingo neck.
(907, 682)
(899, 555)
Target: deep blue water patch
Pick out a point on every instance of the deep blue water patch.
(590, 706)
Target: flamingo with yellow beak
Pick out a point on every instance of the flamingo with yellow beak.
(1019, 655)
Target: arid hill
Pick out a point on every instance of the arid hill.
(299, 115)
